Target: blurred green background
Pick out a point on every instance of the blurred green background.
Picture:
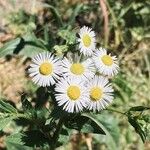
(123, 28)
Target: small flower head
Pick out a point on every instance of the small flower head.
(45, 69)
(86, 41)
(71, 94)
(78, 70)
(99, 93)
(106, 64)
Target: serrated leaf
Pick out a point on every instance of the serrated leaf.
(4, 121)
(29, 138)
(60, 49)
(12, 146)
(69, 37)
(6, 107)
(9, 47)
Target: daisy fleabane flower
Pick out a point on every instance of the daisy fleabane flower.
(78, 70)
(99, 93)
(87, 41)
(71, 94)
(45, 69)
(105, 63)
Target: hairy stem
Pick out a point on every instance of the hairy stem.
(56, 133)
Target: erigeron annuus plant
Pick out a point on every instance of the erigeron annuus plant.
(77, 87)
(76, 79)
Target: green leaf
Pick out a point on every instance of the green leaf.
(26, 105)
(4, 121)
(60, 49)
(9, 47)
(139, 108)
(125, 10)
(133, 121)
(32, 46)
(28, 45)
(30, 138)
(6, 107)
(12, 146)
(68, 36)
(111, 137)
(58, 113)
(42, 114)
(111, 124)
(146, 118)
(63, 139)
(85, 124)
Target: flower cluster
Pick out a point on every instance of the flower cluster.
(81, 81)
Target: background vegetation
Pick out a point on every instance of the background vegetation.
(26, 28)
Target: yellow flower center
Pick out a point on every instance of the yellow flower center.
(96, 93)
(46, 68)
(73, 92)
(77, 69)
(86, 40)
(107, 60)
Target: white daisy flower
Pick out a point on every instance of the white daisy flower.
(106, 64)
(87, 41)
(71, 94)
(45, 69)
(99, 93)
(78, 70)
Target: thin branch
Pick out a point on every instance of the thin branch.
(117, 111)
(105, 15)
(116, 25)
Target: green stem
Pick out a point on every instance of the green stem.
(15, 115)
(56, 133)
(113, 110)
